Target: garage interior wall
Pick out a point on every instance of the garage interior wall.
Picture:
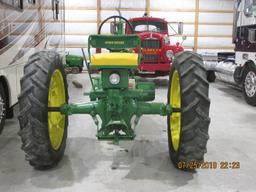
(207, 23)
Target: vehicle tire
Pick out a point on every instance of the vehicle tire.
(211, 77)
(249, 85)
(188, 125)
(43, 133)
(9, 113)
(2, 107)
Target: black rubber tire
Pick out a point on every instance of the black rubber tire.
(9, 113)
(249, 100)
(33, 115)
(3, 96)
(195, 106)
(211, 77)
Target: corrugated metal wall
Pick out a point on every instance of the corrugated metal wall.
(208, 26)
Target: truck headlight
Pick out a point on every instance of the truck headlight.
(169, 54)
(114, 78)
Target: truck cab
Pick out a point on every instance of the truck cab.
(157, 52)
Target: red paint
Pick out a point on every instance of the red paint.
(162, 63)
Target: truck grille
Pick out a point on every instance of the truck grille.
(151, 43)
(148, 58)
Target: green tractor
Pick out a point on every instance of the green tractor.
(117, 100)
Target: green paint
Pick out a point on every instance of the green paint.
(117, 105)
(116, 109)
(114, 41)
(74, 61)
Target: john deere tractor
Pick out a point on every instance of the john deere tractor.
(117, 100)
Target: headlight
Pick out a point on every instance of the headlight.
(114, 78)
(169, 54)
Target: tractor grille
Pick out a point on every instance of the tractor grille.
(151, 43)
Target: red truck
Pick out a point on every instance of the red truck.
(157, 52)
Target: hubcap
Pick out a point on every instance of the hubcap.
(175, 119)
(56, 98)
(250, 84)
(2, 108)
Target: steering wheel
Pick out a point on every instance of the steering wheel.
(116, 17)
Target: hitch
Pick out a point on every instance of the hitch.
(115, 125)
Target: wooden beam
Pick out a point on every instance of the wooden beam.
(196, 25)
(218, 47)
(98, 13)
(143, 9)
(187, 35)
(215, 23)
(148, 7)
(186, 47)
(193, 10)
(95, 21)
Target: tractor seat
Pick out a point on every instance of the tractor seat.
(115, 60)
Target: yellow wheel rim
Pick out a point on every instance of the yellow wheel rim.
(56, 98)
(175, 119)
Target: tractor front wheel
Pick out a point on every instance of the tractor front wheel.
(43, 133)
(189, 122)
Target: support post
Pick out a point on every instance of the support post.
(98, 13)
(196, 25)
(148, 7)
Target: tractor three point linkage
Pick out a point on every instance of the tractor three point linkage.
(117, 100)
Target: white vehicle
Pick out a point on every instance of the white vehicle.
(26, 27)
(239, 68)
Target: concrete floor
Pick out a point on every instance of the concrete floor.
(141, 165)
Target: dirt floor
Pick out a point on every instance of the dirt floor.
(143, 164)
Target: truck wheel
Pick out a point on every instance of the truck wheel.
(211, 77)
(43, 133)
(249, 85)
(2, 107)
(188, 125)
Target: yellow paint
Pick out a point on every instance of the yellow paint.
(115, 59)
(56, 98)
(175, 119)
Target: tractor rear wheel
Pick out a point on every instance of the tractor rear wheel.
(188, 125)
(43, 133)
